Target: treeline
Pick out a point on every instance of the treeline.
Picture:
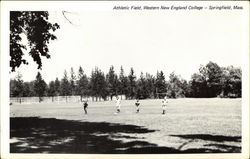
(211, 80)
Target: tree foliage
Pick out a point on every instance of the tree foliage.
(37, 29)
(213, 80)
(52, 89)
(142, 92)
(131, 84)
(176, 86)
(209, 81)
(112, 82)
(123, 83)
(160, 84)
(65, 85)
(57, 86)
(72, 81)
(17, 86)
(98, 84)
(231, 81)
(40, 86)
(82, 84)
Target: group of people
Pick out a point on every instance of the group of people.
(137, 104)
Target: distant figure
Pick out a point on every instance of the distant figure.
(137, 104)
(164, 105)
(85, 106)
(118, 104)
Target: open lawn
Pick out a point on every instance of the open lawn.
(189, 126)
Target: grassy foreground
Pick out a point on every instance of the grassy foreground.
(190, 126)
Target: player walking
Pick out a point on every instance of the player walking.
(85, 106)
(137, 104)
(118, 104)
(164, 105)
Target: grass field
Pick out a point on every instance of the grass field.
(189, 126)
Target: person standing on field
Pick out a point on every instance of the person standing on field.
(164, 105)
(118, 104)
(85, 106)
(137, 104)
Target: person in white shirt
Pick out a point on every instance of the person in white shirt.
(164, 105)
(118, 104)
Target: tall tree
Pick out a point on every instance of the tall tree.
(231, 81)
(16, 86)
(27, 89)
(37, 28)
(131, 84)
(207, 82)
(198, 85)
(177, 86)
(72, 81)
(57, 87)
(150, 85)
(212, 73)
(142, 91)
(82, 84)
(123, 83)
(160, 84)
(113, 84)
(52, 90)
(39, 86)
(65, 86)
(98, 84)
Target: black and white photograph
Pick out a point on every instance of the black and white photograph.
(159, 79)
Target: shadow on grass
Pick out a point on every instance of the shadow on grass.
(212, 138)
(216, 138)
(49, 135)
(32, 134)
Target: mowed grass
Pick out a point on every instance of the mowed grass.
(188, 123)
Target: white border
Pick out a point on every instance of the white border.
(107, 6)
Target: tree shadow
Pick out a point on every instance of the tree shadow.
(217, 138)
(215, 148)
(49, 135)
(40, 135)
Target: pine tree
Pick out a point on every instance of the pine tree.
(123, 83)
(150, 87)
(141, 88)
(52, 90)
(160, 84)
(98, 84)
(72, 82)
(131, 84)
(40, 86)
(113, 82)
(65, 86)
(57, 87)
(82, 84)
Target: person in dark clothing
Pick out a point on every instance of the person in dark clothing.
(137, 104)
(85, 106)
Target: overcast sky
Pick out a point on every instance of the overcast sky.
(147, 41)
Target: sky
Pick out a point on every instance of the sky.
(147, 41)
